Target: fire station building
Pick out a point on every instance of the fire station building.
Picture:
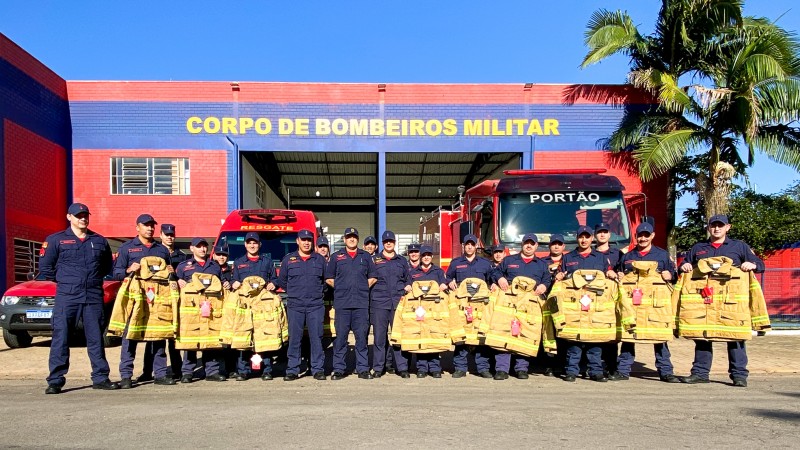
(370, 155)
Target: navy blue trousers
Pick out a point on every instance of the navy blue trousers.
(243, 366)
(704, 356)
(213, 362)
(381, 320)
(299, 318)
(627, 355)
(481, 357)
(65, 318)
(502, 362)
(175, 358)
(128, 355)
(357, 321)
(594, 358)
(428, 363)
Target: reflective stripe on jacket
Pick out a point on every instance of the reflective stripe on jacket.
(736, 308)
(146, 302)
(426, 320)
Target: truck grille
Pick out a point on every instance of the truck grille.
(37, 301)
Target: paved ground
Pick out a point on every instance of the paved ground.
(538, 412)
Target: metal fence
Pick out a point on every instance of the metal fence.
(781, 288)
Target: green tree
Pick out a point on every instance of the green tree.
(740, 93)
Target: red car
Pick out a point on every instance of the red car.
(26, 309)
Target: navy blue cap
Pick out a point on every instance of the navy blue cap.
(557, 237)
(221, 250)
(198, 240)
(252, 235)
(322, 240)
(388, 236)
(77, 208)
(530, 237)
(145, 218)
(602, 226)
(414, 247)
(426, 249)
(370, 239)
(644, 227)
(499, 248)
(305, 234)
(585, 229)
(470, 237)
(351, 230)
(167, 228)
(722, 218)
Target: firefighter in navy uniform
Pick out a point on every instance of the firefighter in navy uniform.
(212, 359)
(413, 251)
(226, 276)
(175, 257)
(371, 245)
(77, 259)
(128, 257)
(253, 263)
(302, 276)
(524, 264)
(392, 277)
(469, 265)
(613, 255)
(646, 251)
(743, 257)
(351, 273)
(585, 258)
(498, 253)
(427, 363)
(324, 249)
(554, 364)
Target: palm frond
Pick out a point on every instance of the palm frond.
(780, 143)
(608, 33)
(657, 154)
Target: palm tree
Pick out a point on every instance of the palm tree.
(741, 91)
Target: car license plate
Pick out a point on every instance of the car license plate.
(35, 314)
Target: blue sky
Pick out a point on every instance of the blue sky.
(344, 41)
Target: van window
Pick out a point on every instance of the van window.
(275, 244)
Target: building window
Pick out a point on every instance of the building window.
(26, 259)
(137, 176)
(261, 192)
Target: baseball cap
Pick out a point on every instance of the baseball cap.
(557, 237)
(145, 218)
(252, 235)
(644, 227)
(530, 237)
(585, 229)
(722, 218)
(370, 239)
(167, 228)
(221, 250)
(602, 226)
(198, 240)
(351, 230)
(387, 236)
(426, 249)
(470, 237)
(322, 240)
(77, 208)
(415, 247)
(305, 234)
(499, 248)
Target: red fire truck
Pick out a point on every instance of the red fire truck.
(543, 202)
(277, 228)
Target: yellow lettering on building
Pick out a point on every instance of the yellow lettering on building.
(359, 127)
(534, 127)
(263, 126)
(473, 127)
(416, 127)
(393, 127)
(245, 123)
(450, 127)
(229, 125)
(322, 127)
(376, 127)
(192, 125)
(211, 125)
(285, 126)
(551, 127)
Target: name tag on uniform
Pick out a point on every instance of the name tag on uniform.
(474, 285)
(425, 288)
(155, 268)
(588, 277)
(716, 266)
(206, 281)
(254, 285)
(585, 302)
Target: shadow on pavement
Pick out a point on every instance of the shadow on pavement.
(789, 416)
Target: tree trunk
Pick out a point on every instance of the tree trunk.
(671, 201)
(716, 189)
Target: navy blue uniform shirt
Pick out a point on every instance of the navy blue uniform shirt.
(434, 273)
(303, 280)
(78, 267)
(613, 256)
(225, 273)
(514, 266)
(656, 254)
(190, 267)
(734, 249)
(461, 268)
(133, 251)
(243, 267)
(176, 257)
(392, 275)
(573, 261)
(350, 278)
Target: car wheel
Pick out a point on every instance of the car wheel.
(17, 339)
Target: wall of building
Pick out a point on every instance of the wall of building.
(249, 180)
(35, 139)
(781, 283)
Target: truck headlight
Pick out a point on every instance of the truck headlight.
(9, 300)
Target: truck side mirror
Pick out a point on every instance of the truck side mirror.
(463, 230)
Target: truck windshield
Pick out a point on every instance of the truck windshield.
(273, 244)
(546, 213)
